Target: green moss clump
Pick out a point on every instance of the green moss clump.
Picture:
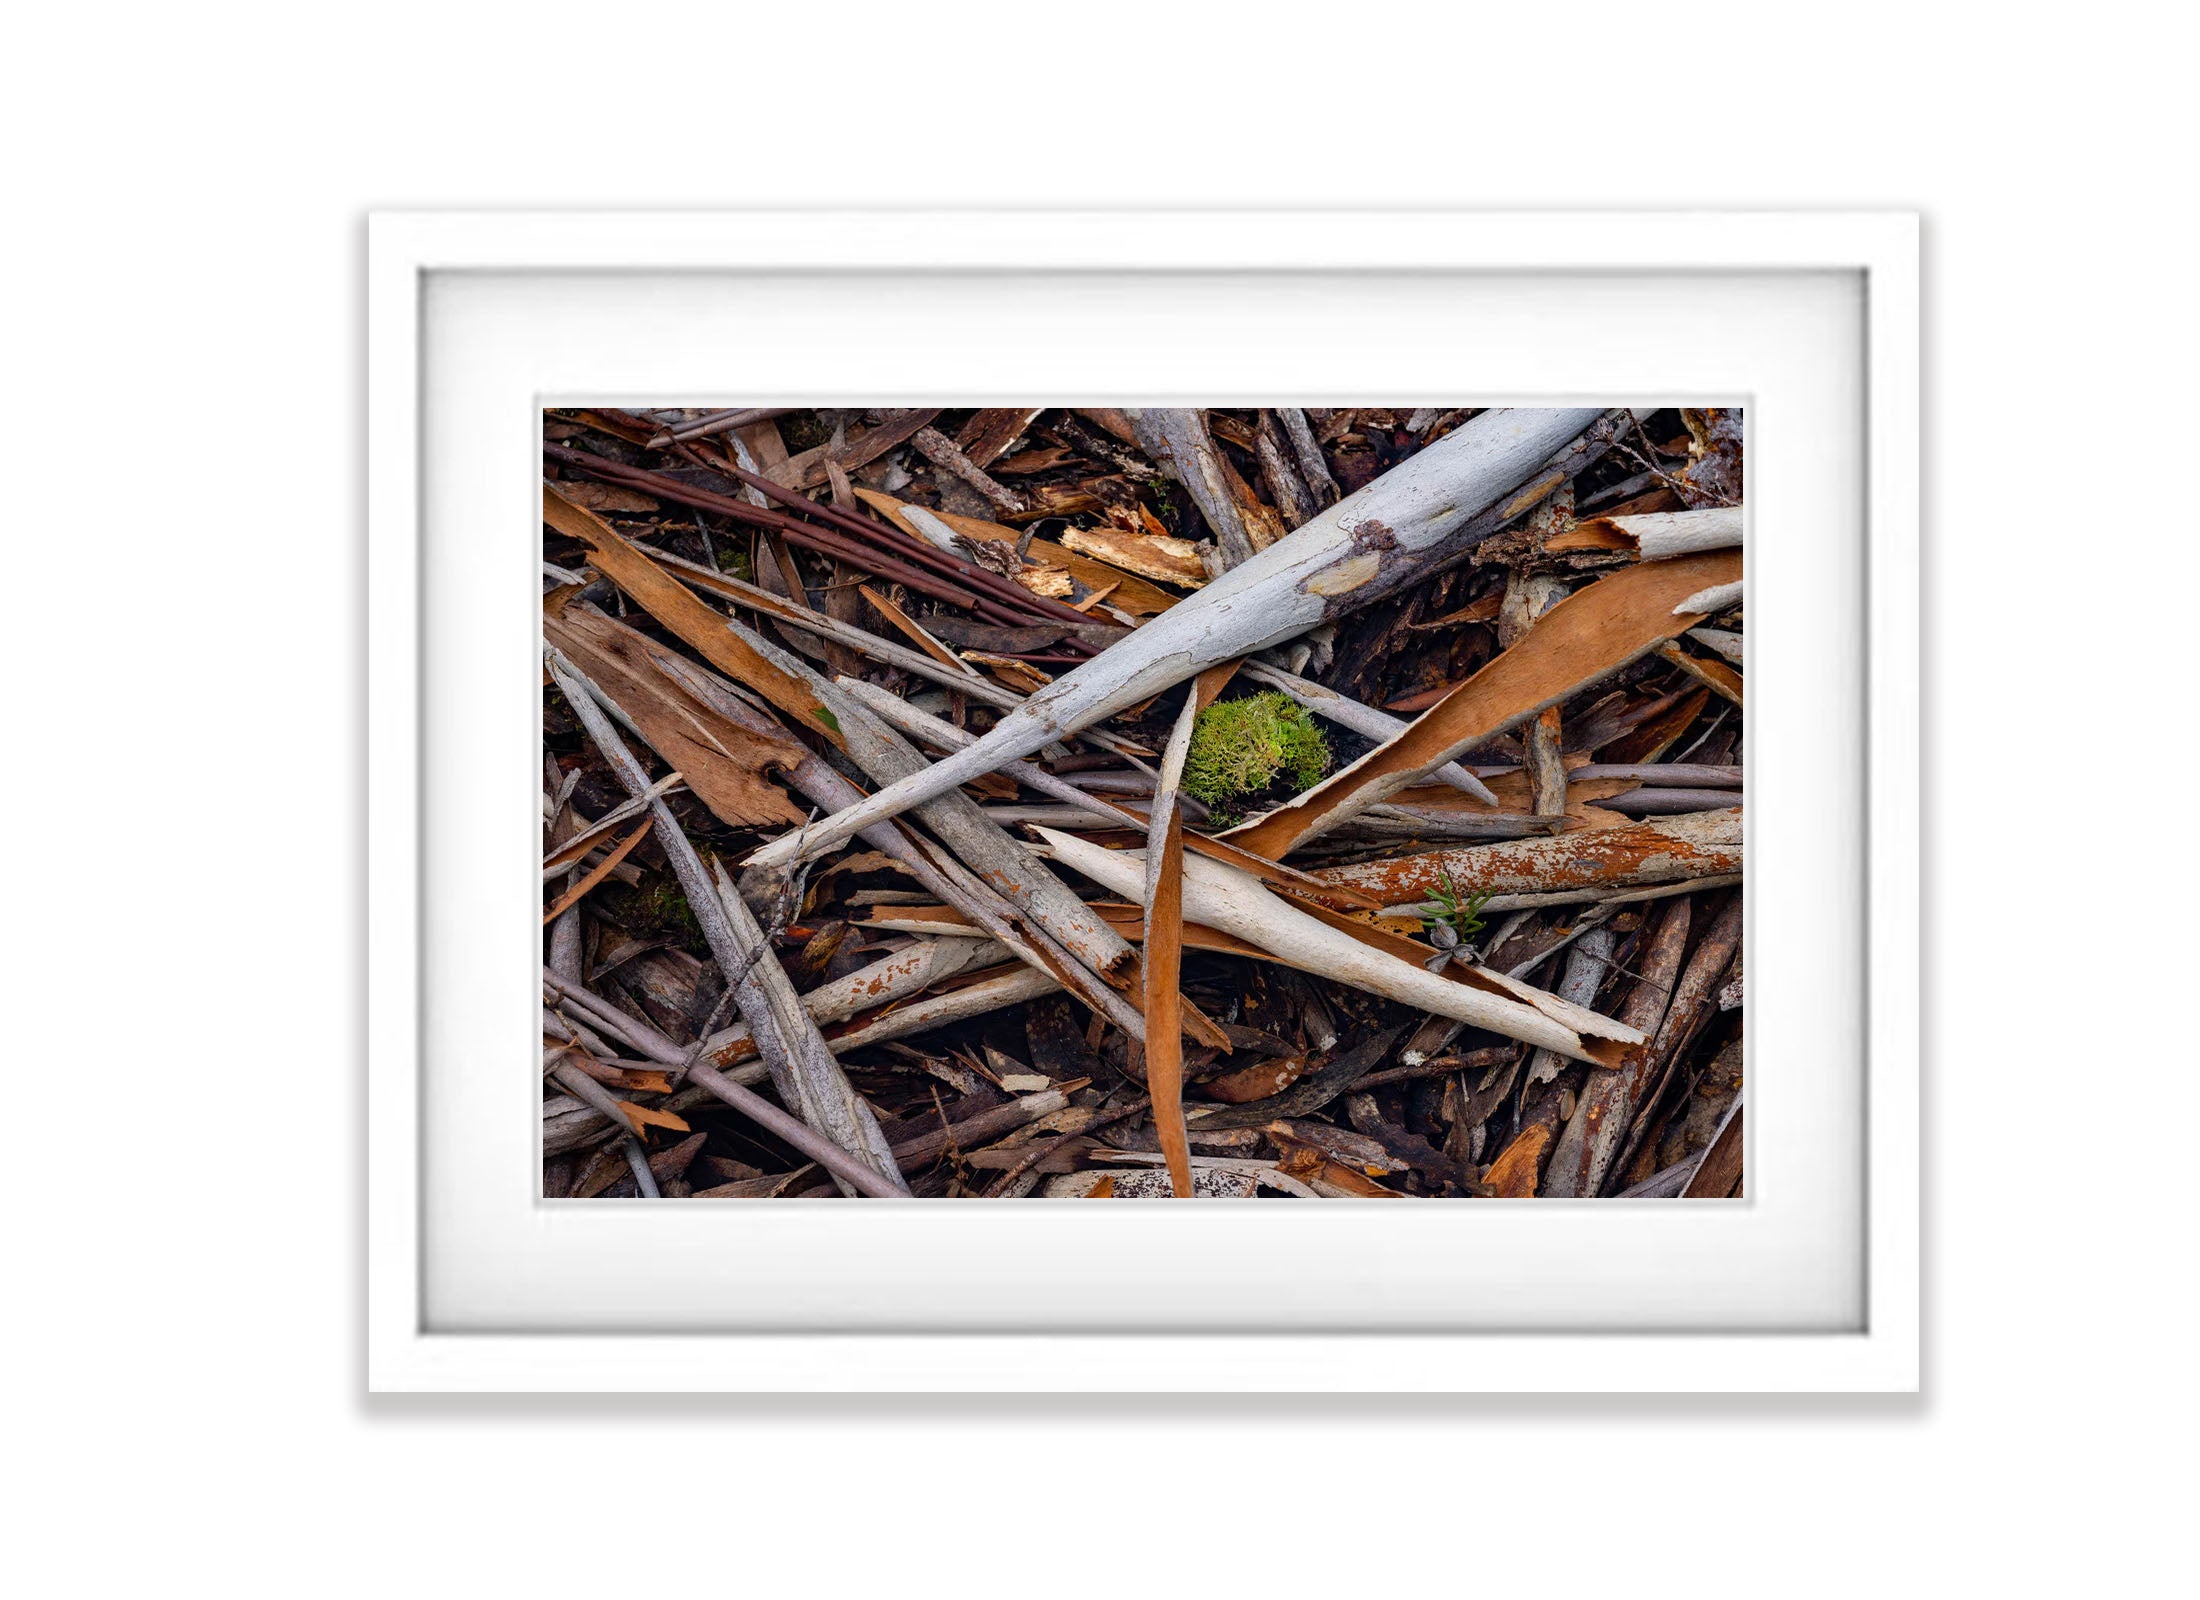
(1243, 748)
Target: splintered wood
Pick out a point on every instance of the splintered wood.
(1193, 803)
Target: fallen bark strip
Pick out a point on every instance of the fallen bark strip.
(1695, 998)
(1591, 1138)
(1366, 721)
(1719, 1169)
(985, 438)
(1586, 969)
(915, 632)
(582, 844)
(602, 870)
(1127, 918)
(1164, 905)
(803, 1070)
(1726, 642)
(1313, 465)
(1399, 528)
(1234, 903)
(1711, 600)
(1158, 556)
(1700, 845)
(1294, 502)
(1586, 637)
(767, 999)
(683, 614)
(1659, 536)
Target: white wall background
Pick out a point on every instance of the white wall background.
(182, 461)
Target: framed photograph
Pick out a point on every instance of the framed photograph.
(883, 725)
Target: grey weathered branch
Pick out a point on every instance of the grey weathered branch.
(1313, 465)
(943, 453)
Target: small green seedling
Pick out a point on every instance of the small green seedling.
(1450, 921)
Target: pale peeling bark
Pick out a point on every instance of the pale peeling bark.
(1702, 844)
(1658, 536)
(1411, 521)
(1222, 898)
(1711, 600)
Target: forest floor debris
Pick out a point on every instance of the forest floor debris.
(1051, 803)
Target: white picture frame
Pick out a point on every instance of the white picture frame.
(563, 302)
